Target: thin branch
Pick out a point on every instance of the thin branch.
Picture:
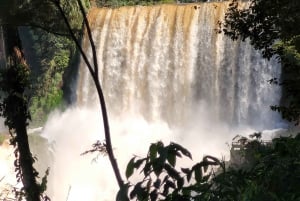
(90, 38)
(109, 148)
(94, 74)
(57, 3)
(33, 25)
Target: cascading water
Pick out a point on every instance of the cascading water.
(163, 61)
(166, 75)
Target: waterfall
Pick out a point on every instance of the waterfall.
(164, 61)
(166, 75)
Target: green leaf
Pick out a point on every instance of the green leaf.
(180, 183)
(172, 172)
(185, 170)
(138, 163)
(198, 172)
(189, 176)
(147, 169)
(130, 168)
(136, 190)
(152, 152)
(158, 166)
(153, 195)
(171, 158)
(157, 183)
(180, 148)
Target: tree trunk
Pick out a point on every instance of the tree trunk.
(16, 112)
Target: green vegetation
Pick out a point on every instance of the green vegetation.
(162, 178)
(273, 172)
(269, 172)
(47, 68)
(14, 82)
(48, 54)
(272, 27)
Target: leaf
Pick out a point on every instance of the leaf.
(165, 179)
(170, 184)
(157, 183)
(138, 163)
(198, 172)
(148, 186)
(130, 168)
(158, 166)
(186, 192)
(171, 158)
(180, 183)
(189, 176)
(147, 169)
(183, 150)
(153, 195)
(171, 171)
(209, 160)
(137, 189)
(185, 170)
(152, 152)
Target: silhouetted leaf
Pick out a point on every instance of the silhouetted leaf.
(137, 188)
(171, 158)
(171, 171)
(185, 170)
(153, 151)
(138, 163)
(170, 184)
(180, 148)
(157, 183)
(147, 169)
(130, 168)
(153, 195)
(198, 172)
(158, 166)
(189, 176)
(180, 183)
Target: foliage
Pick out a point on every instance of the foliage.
(14, 80)
(272, 27)
(162, 179)
(272, 173)
(263, 22)
(13, 100)
(48, 66)
(43, 15)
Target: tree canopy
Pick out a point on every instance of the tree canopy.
(45, 15)
(272, 27)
